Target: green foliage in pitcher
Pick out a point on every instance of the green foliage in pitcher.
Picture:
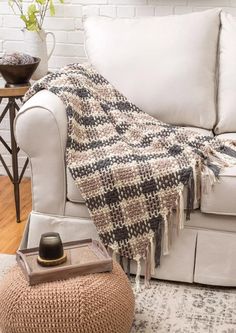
(33, 13)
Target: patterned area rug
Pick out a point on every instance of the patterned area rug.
(185, 308)
(6, 261)
(176, 308)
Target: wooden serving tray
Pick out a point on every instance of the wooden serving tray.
(83, 257)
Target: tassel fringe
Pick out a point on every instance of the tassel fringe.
(181, 217)
(208, 180)
(196, 182)
(148, 266)
(138, 273)
(152, 254)
(128, 268)
(165, 250)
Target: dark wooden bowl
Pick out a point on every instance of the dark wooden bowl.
(18, 74)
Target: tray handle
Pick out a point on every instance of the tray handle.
(21, 260)
(101, 248)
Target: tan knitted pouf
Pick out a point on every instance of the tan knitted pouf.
(95, 303)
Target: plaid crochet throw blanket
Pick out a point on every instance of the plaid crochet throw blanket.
(131, 168)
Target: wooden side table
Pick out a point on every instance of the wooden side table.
(12, 94)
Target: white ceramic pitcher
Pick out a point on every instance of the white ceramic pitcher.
(35, 45)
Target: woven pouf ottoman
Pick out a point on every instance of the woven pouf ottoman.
(94, 303)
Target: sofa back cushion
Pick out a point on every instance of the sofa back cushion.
(227, 76)
(164, 65)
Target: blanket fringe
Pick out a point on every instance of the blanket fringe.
(191, 195)
(208, 180)
(128, 267)
(180, 211)
(113, 252)
(223, 159)
(196, 184)
(217, 160)
(158, 245)
(148, 266)
(170, 226)
(138, 273)
(165, 244)
(121, 262)
(152, 254)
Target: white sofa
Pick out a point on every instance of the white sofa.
(169, 67)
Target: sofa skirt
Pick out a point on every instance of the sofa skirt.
(196, 255)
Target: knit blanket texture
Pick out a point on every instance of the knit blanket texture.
(131, 168)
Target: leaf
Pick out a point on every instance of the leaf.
(35, 12)
(41, 2)
(30, 19)
(51, 8)
(23, 17)
(33, 26)
(10, 3)
(32, 10)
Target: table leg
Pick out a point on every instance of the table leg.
(15, 172)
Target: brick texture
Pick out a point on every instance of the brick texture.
(68, 29)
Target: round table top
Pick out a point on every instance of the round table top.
(16, 91)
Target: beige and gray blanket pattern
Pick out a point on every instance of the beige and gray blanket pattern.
(131, 168)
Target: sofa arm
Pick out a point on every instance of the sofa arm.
(41, 131)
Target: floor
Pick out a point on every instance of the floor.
(10, 231)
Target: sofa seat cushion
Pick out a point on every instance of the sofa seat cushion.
(198, 220)
(74, 194)
(201, 131)
(164, 65)
(221, 199)
(227, 136)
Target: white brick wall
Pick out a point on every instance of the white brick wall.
(67, 26)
